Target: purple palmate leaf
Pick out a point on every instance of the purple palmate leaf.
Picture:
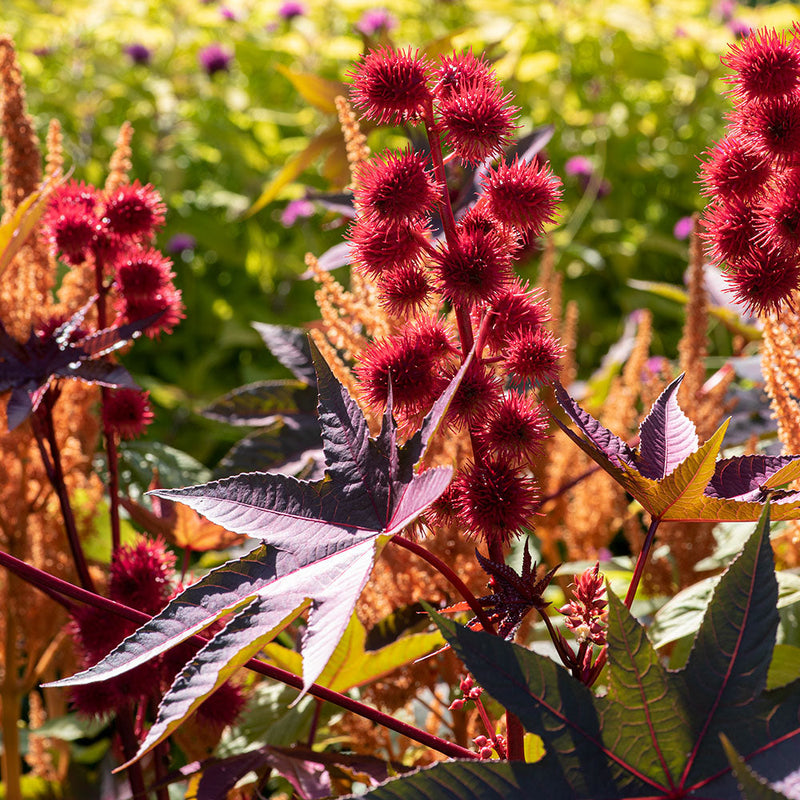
(752, 478)
(666, 436)
(321, 538)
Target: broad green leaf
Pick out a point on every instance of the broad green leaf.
(295, 166)
(751, 785)
(784, 667)
(319, 92)
(351, 664)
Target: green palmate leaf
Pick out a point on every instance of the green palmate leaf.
(656, 733)
(751, 785)
(673, 478)
(321, 538)
(351, 664)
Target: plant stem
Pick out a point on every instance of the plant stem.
(451, 576)
(38, 578)
(129, 748)
(446, 208)
(55, 473)
(641, 561)
(11, 709)
(515, 738)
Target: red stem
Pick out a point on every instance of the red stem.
(129, 747)
(451, 576)
(38, 578)
(446, 209)
(641, 561)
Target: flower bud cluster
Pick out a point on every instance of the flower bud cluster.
(752, 176)
(469, 691)
(586, 613)
(402, 202)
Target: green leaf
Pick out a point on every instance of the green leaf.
(319, 92)
(784, 667)
(18, 228)
(752, 786)
(351, 664)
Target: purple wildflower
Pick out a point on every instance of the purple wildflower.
(139, 53)
(181, 242)
(291, 9)
(227, 13)
(375, 20)
(295, 210)
(214, 58)
(683, 227)
(579, 165)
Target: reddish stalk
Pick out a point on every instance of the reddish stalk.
(641, 561)
(39, 578)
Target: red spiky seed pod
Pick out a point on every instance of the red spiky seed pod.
(391, 86)
(533, 357)
(476, 268)
(478, 393)
(70, 224)
(771, 127)
(515, 429)
(523, 194)
(777, 221)
(478, 122)
(495, 501)
(404, 291)
(141, 575)
(379, 246)
(167, 301)
(134, 211)
(728, 231)
(434, 336)
(142, 273)
(126, 412)
(442, 512)
(766, 65)
(735, 170)
(765, 281)
(396, 187)
(517, 309)
(411, 362)
(456, 72)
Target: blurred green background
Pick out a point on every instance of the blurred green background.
(633, 89)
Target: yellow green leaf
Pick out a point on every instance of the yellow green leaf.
(319, 92)
(15, 232)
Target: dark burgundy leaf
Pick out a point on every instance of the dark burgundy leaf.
(290, 346)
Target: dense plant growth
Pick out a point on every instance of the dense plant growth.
(420, 466)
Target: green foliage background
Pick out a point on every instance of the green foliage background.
(634, 86)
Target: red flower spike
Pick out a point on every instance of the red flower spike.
(523, 194)
(395, 188)
(765, 66)
(142, 273)
(391, 87)
(404, 291)
(586, 614)
(71, 228)
(533, 357)
(477, 122)
(735, 170)
(517, 309)
(777, 222)
(127, 412)
(495, 501)
(765, 281)
(167, 300)
(379, 246)
(478, 393)
(413, 366)
(772, 127)
(459, 71)
(728, 231)
(476, 269)
(141, 575)
(516, 429)
(134, 211)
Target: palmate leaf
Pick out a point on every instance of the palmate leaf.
(657, 733)
(675, 478)
(320, 542)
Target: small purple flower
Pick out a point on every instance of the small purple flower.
(725, 9)
(227, 13)
(181, 242)
(139, 53)
(375, 20)
(739, 28)
(579, 165)
(683, 228)
(291, 9)
(295, 210)
(214, 58)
